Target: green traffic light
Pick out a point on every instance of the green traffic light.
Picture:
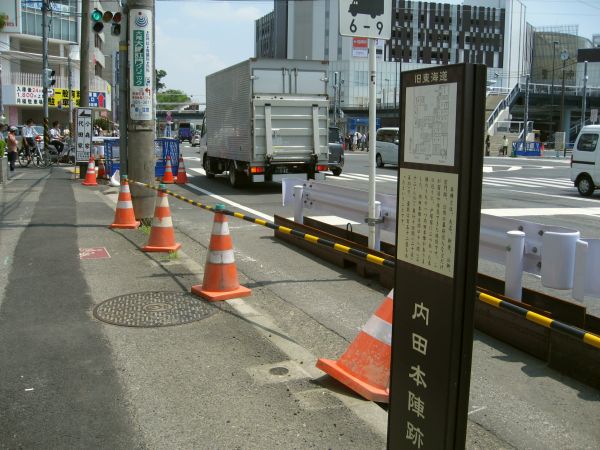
(96, 15)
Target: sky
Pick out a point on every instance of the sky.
(198, 37)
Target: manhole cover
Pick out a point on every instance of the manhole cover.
(153, 309)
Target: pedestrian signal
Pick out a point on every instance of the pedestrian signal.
(116, 24)
(49, 77)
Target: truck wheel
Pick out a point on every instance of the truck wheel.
(205, 164)
(337, 171)
(236, 178)
(585, 186)
(379, 160)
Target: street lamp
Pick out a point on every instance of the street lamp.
(564, 56)
(387, 89)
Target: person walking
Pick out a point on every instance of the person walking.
(363, 141)
(354, 141)
(504, 145)
(487, 145)
(11, 145)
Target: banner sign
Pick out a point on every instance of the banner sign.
(83, 134)
(57, 98)
(141, 74)
(29, 95)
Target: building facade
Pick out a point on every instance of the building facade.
(21, 61)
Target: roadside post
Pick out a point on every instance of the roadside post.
(83, 137)
(373, 20)
(439, 206)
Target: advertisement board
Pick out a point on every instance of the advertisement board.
(141, 74)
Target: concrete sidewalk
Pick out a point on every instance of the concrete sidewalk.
(230, 380)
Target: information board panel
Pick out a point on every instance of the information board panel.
(439, 203)
(366, 18)
(83, 134)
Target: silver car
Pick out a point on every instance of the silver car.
(196, 139)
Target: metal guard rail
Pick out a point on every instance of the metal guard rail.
(586, 337)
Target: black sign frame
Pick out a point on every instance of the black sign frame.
(434, 295)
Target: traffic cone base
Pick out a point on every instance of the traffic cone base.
(164, 248)
(365, 366)
(220, 273)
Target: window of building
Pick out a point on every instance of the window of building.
(63, 25)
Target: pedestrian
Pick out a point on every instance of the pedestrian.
(11, 143)
(354, 141)
(504, 145)
(29, 135)
(363, 141)
(56, 137)
(487, 145)
(348, 142)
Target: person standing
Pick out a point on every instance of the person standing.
(354, 141)
(487, 145)
(11, 145)
(504, 145)
(363, 141)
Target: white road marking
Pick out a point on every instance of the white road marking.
(476, 409)
(520, 212)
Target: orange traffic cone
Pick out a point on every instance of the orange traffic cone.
(162, 235)
(124, 216)
(181, 175)
(365, 366)
(90, 175)
(220, 273)
(168, 175)
(101, 169)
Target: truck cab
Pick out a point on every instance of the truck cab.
(585, 160)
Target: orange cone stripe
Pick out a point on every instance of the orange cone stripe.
(224, 276)
(368, 360)
(220, 243)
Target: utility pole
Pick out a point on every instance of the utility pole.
(141, 123)
(123, 91)
(526, 113)
(70, 87)
(554, 44)
(45, 77)
(84, 56)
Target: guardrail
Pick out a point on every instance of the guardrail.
(556, 254)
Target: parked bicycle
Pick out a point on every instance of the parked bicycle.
(35, 155)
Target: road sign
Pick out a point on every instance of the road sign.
(366, 18)
(438, 212)
(593, 115)
(83, 133)
(141, 75)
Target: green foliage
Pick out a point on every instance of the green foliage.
(160, 74)
(170, 98)
(3, 20)
(102, 123)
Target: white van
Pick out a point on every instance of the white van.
(386, 146)
(585, 160)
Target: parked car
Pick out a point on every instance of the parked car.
(386, 146)
(585, 160)
(196, 139)
(336, 151)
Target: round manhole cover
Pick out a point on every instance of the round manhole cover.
(153, 309)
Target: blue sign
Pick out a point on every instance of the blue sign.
(97, 100)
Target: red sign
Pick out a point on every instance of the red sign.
(93, 253)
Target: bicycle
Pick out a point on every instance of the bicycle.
(27, 155)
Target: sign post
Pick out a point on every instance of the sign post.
(439, 205)
(83, 133)
(370, 19)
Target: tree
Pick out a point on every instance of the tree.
(171, 99)
(160, 74)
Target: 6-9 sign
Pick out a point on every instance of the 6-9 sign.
(366, 18)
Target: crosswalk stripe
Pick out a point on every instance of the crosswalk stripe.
(565, 181)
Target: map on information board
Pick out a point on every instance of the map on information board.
(430, 122)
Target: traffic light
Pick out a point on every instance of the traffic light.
(99, 18)
(49, 77)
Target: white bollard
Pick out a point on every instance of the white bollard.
(377, 226)
(558, 259)
(581, 264)
(298, 203)
(513, 280)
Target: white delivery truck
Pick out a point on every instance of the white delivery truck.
(585, 160)
(267, 119)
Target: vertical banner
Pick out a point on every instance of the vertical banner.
(141, 78)
(437, 241)
(83, 133)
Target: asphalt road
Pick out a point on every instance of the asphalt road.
(514, 397)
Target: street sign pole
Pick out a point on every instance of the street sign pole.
(370, 19)
(439, 207)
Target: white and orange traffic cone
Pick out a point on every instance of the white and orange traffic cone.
(90, 175)
(220, 273)
(181, 174)
(168, 175)
(124, 215)
(365, 366)
(162, 234)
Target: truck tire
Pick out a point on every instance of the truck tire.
(237, 178)
(337, 171)
(205, 164)
(379, 160)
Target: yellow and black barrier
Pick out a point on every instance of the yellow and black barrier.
(544, 321)
(265, 223)
(588, 338)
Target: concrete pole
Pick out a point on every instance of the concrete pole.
(45, 78)
(141, 125)
(84, 55)
(526, 113)
(562, 110)
(123, 89)
(584, 99)
(70, 87)
(371, 219)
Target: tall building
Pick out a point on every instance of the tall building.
(21, 60)
(491, 32)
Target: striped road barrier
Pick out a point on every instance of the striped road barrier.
(588, 338)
